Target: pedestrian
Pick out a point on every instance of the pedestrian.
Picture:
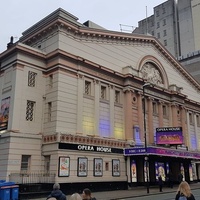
(184, 192)
(57, 193)
(160, 182)
(75, 196)
(180, 177)
(87, 195)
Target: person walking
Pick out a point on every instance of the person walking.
(184, 192)
(87, 195)
(160, 183)
(57, 193)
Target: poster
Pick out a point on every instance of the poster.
(82, 167)
(146, 171)
(63, 169)
(160, 170)
(4, 113)
(191, 172)
(115, 167)
(182, 171)
(133, 171)
(98, 167)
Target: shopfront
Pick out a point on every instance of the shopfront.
(146, 164)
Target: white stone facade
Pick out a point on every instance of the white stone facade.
(53, 65)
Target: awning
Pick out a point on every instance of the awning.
(160, 151)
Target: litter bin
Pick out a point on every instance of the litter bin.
(5, 190)
(5, 193)
(14, 192)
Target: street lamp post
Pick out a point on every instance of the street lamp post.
(145, 136)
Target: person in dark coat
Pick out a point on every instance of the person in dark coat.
(160, 183)
(185, 191)
(57, 193)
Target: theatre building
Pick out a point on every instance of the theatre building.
(82, 104)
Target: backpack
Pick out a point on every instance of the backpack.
(182, 198)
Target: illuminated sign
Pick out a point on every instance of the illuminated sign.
(169, 135)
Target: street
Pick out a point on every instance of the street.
(163, 196)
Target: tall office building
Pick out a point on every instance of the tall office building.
(175, 24)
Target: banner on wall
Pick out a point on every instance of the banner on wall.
(169, 135)
(160, 170)
(4, 113)
(133, 171)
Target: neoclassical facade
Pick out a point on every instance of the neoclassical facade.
(72, 105)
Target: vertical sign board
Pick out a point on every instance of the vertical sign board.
(4, 113)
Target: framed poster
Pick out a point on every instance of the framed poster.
(82, 167)
(64, 163)
(116, 167)
(98, 167)
(133, 171)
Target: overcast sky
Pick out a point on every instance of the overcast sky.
(18, 15)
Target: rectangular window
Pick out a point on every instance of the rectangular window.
(165, 42)
(117, 96)
(164, 22)
(191, 118)
(88, 87)
(103, 92)
(164, 107)
(51, 81)
(158, 35)
(155, 112)
(157, 13)
(25, 163)
(49, 111)
(152, 33)
(164, 33)
(30, 110)
(31, 79)
(163, 10)
(158, 24)
(198, 120)
(47, 164)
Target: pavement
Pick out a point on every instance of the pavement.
(133, 192)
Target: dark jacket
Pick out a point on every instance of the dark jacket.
(57, 194)
(188, 198)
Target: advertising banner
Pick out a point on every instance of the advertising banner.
(133, 171)
(4, 113)
(160, 170)
(169, 135)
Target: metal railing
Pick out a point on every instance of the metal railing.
(32, 177)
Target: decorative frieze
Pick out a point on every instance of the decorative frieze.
(67, 138)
